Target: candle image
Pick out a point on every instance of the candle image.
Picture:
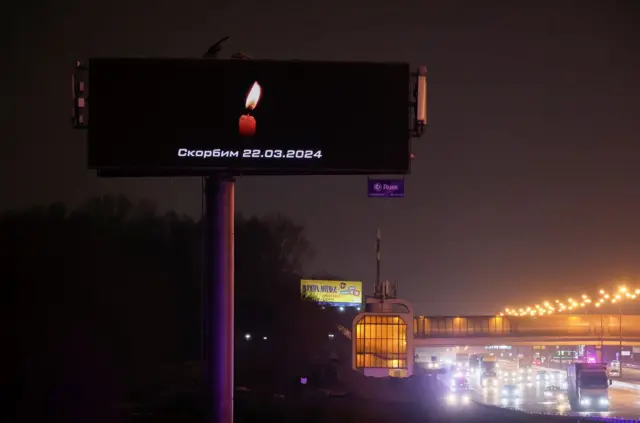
(247, 124)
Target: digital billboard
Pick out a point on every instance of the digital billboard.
(334, 293)
(199, 116)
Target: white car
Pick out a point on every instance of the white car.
(555, 393)
(510, 391)
(454, 399)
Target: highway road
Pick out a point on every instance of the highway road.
(630, 375)
(624, 401)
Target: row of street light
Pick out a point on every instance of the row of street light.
(581, 303)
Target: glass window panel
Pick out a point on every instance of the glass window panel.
(381, 342)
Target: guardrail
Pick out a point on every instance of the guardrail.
(555, 417)
(627, 385)
(609, 420)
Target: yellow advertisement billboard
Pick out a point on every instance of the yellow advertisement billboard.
(335, 293)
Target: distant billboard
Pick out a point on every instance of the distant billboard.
(197, 116)
(334, 293)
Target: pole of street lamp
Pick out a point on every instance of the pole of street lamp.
(601, 340)
(620, 334)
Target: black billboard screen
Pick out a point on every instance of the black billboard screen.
(198, 116)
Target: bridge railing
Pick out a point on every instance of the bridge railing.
(604, 326)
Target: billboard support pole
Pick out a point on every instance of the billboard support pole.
(219, 193)
(219, 283)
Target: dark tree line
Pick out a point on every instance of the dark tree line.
(105, 305)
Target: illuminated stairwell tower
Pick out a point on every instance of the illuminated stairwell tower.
(382, 341)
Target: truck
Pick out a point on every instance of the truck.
(488, 372)
(474, 363)
(488, 364)
(459, 383)
(588, 387)
(462, 360)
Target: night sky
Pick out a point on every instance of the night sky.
(525, 185)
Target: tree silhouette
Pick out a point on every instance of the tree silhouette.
(269, 261)
(107, 305)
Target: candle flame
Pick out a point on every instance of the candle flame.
(253, 97)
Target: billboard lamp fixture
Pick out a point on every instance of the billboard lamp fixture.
(80, 95)
(419, 104)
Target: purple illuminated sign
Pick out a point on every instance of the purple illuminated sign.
(386, 188)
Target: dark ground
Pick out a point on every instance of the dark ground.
(357, 400)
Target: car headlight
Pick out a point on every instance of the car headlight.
(603, 401)
(585, 401)
(465, 399)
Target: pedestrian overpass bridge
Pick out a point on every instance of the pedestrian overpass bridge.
(384, 338)
(560, 329)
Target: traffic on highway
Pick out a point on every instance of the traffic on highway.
(536, 389)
